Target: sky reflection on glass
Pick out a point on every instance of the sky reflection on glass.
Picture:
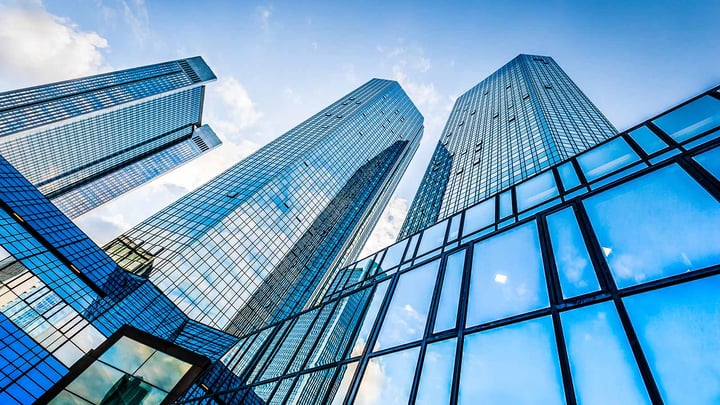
(648, 141)
(606, 159)
(536, 190)
(710, 160)
(600, 357)
(393, 255)
(692, 119)
(504, 283)
(95, 381)
(678, 329)
(346, 374)
(369, 320)
(432, 238)
(479, 216)
(446, 317)
(437, 370)
(656, 226)
(496, 366)
(127, 354)
(568, 176)
(163, 371)
(388, 379)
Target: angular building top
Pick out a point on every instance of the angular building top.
(525, 117)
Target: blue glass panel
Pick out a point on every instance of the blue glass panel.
(369, 320)
(446, 317)
(407, 313)
(454, 231)
(345, 377)
(432, 238)
(479, 217)
(678, 329)
(505, 204)
(437, 373)
(572, 259)
(656, 226)
(607, 158)
(568, 176)
(710, 160)
(516, 364)
(507, 276)
(535, 191)
(692, 119)
(647, 140)
(388, 379)
(600, 357)
(393, 255)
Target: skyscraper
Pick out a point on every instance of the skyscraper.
(252, 244)
(522, 119)
(85, 141)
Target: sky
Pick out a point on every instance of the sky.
(280, 62)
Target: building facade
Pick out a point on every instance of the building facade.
(522, 119)
(85, 141)
(251, 245)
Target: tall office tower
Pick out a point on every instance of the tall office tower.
(85, 141)
(252, 244)
(522, 119)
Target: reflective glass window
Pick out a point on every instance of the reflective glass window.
(505, 200)
(535, 191)
(515, 364)
(437, 372)
(394, 254)
(647, 140)
(678, 329)
(710, 160)
(369, 319)
(507, 276)
(388, 379)
(655, 226)
(446, 317)
(568, 176)
(432, 238)
(454, 228)
(692, 119)
(600, 357)
(607, 158)
(407, 313)
(572, 259)
(346, 375)
(479, 216)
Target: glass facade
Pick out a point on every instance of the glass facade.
(85, 141)
(522, 119)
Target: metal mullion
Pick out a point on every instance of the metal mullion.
(461, 319)
(662, 135)
(706, 180)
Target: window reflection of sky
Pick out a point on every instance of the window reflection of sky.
(536, 190)
(647, 140)
(692, 119)
(521, 287)
(606, 159)
(369, 320)
(446, 317)
(655, 226)
(436, 377)
(388, 379)
(515, 364)
(479, 216)
(710, 160)
(678, 329)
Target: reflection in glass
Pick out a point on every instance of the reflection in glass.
(647, 140)
(454, 228)
(369, 320)
(692, 119)
(568, 176)
(163, 371)
(127, 354)
(600, 357)
(393, 255)
(95, 381)
(607, 158)
(710, 160)
(407, 313)
(388, 379)
(535, 191)
(479, 216)
(656, 226)
(346, 374)
(432, 238)
(515, 364)
(678, 329)
(572, 259)
(446, 317)
(506, 208)
(507, 276)
(437, 371)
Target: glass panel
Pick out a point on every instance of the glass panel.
(506, 204)
(454, 228)
(163, 371)
(432, 238)
(692, 119)
(407, 314)
(600, 357)
(656, 226)
(388, 379)
(437, 372)
(516, 364)
(568, 176)
(647, 140)
(370, 317)
(393, 255)
(479, 216)
(446, 317)
(572, 259)
(95, 382)
(507, 276)
(347, 376)
(710, 160)
(607, 158)
(535, 191)
(127, 354)
(678, 329)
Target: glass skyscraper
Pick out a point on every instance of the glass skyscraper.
(85, 141)
(522, 119)
(250, 246)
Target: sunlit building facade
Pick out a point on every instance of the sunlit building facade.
(83, 142)
(525, 117)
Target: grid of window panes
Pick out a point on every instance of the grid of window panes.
(522, 119)
(84, 197)
(611, 284)
(216, 246)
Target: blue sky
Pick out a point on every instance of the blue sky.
(280, 62)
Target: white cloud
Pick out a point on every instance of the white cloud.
(136, 16)
(388, 226)
(263, 14)
(37, 47)
(291, 95)
(230, 108)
